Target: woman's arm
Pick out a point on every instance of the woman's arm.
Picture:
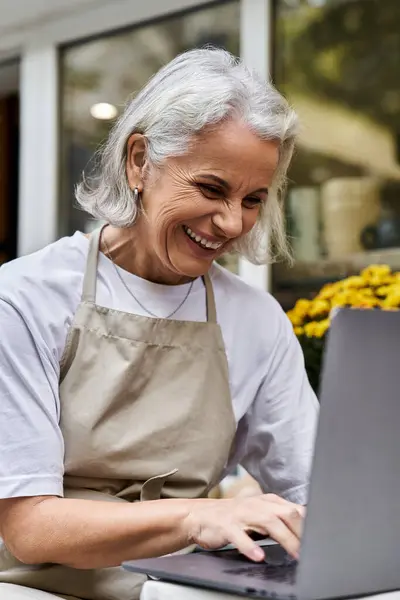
(87, 534)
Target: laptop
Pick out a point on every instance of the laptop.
(351, 541)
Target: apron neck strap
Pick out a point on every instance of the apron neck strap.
(210, 300)
(89, 281)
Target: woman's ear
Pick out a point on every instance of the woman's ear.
(135, 160)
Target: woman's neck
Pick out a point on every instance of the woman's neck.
(127, 248)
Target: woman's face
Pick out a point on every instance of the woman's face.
(199, 204)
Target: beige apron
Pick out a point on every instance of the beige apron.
(146, 413)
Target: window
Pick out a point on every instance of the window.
(338, 63)
(99, 76)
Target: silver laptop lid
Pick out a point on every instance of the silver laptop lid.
(351, 543)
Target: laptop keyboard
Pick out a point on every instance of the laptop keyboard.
(284, 573)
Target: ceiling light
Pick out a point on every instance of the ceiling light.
(104, 111)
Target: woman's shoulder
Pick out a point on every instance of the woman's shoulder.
(55, 264)
(44, 287)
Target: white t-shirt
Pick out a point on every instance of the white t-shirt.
(275, 408)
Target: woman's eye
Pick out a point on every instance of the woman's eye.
(252, 202)
(209, 190)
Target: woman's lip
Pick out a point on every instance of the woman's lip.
(209, 238)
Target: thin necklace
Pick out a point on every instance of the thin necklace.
(133, 295)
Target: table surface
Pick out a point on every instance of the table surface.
(157, 590)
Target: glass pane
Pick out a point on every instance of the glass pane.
(338, 62)
(109, 70)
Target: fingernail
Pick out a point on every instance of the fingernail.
(257, 554)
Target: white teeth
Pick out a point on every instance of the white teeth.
(201, 241)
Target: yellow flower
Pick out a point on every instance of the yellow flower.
(374, 270)
(339, 300)
(310, 328)
(360, 298)
(343, 298)
(377, 275)
(295, 319)
(367, 303)
(367, 292)
(375, 287)
(328, 291)
(379, 280)
(383, 290)
(353, 282)
(301, 308)
(319, 308)
(322, 327)
(391, 301)
(316, 328)
(394, 289)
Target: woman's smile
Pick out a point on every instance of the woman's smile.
(202, 239)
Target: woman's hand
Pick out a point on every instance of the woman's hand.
(214, 523)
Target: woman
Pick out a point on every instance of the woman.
(134, 368)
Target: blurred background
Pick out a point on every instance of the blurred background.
(67, 67)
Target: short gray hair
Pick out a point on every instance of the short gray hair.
(197, 89)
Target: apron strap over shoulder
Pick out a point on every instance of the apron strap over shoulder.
(89, 280)
(210, 300)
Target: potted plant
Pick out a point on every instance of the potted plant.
(376, 287)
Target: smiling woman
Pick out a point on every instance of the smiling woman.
(136, 372)
(196, 206)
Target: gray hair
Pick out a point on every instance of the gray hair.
(197, 89)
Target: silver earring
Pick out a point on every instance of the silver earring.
(136, 195)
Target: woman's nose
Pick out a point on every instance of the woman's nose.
(230, 221)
